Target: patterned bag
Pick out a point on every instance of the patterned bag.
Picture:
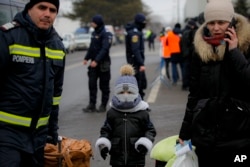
(68, 153)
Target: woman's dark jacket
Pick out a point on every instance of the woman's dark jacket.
(218, 108)
(31, 69)
(123, 129)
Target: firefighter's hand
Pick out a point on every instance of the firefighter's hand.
(142, 68)
(93, 64)
(85, 62)
(142, 149)
(104, 152)
(52, 138)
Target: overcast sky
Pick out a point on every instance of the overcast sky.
(166, 9)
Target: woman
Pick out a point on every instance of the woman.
(216, 118)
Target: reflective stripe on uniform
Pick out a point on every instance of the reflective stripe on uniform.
(56, 100)
(24, 50)
(21, 121)
(17, 49)
(54, 54)
(42, 121)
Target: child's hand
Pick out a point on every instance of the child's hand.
(104, 152)
(142, 149)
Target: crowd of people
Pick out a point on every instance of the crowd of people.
(213, 58)
(176, 50)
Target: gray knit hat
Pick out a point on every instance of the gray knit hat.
(219, 10)
(126, 82)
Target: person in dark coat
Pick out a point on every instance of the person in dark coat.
(99, 67)
(32, 62)
(128, 133)
(173, 42)
(135, 50)
(187, 49)
(217, 112)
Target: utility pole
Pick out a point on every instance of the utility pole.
(178, 11)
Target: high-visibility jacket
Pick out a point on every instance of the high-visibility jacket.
(31, 69)
(173, 41)
(165, 48)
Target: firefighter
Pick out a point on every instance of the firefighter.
(32, 62)
(99, 67)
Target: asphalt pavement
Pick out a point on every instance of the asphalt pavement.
(167, 104)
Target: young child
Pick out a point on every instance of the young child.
(128, 133)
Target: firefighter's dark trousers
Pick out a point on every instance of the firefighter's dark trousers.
(104, 80)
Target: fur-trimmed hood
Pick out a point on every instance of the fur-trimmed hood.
(205, 50)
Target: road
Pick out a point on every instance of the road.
(166, 102)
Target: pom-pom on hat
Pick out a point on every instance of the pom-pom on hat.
(126, 83)
(33, 2)
(219, 10)
(98, 20)
(140, 18)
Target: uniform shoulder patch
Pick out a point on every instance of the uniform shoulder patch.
(9, 26)
(135, 38)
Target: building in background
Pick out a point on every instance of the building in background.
(9, 8)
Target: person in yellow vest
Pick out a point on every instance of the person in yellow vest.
(150, 37)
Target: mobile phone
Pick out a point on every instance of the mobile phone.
(231, 24)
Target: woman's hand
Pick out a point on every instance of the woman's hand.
(232, 40)
(181, 141)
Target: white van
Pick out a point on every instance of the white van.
(9, 8)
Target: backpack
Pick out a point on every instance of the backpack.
(69, 153)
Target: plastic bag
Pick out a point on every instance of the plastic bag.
(164, 150)
(189, 159)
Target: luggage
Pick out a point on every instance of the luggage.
(68, 153)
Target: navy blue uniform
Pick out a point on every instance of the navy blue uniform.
(32, 70)
(101, 41)
(135, 54)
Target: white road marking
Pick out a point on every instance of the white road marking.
(155, 89)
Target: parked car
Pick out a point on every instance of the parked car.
(69, 43)
(8, 9)
(82, 41)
